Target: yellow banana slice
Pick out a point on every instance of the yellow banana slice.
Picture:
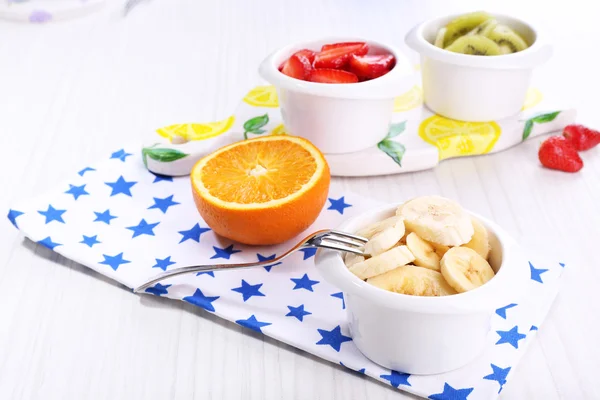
(425, 255)
(438, 220)
(480, 241)
(383, 235)
(379, 264)
(464, 269)
(350, 259)
(413, 280)
(440, 249)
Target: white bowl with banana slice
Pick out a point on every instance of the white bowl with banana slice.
(477, 66)
(421, 299)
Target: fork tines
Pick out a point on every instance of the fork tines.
(343, 241)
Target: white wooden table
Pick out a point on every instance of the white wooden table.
(71, 92)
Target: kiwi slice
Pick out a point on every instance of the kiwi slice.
(463, 25)
(505, 49)
(484, 29)
(502, 35)
(439, 39)
(475, 45)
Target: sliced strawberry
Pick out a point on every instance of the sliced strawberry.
(371, 66)
(364, 48)
(309, 54)
(298, 66)
(337, 57)
(326, 75)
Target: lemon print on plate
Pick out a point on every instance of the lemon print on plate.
(409, 100)
(262, 96)
(279, 130)
(533, 98)
(182, 133)
(458, 138)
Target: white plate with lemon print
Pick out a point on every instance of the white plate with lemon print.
(417, 139)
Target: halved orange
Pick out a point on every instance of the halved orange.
(261, 191)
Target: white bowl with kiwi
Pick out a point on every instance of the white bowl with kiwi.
(477, 66)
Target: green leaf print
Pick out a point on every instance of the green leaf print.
(396, 129)
(538, 119)
(161, 155)
(253, 125)
(393, 149)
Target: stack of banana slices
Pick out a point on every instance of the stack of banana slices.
(431, 247)
(479, 34)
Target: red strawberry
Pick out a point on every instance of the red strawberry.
(325, 75)
(299, 65)
(371, 66)
(364, 47)
(556, 152)
(337, 57)
(581, 137)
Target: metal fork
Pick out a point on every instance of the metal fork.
(326, 238)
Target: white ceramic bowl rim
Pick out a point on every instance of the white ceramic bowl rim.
(493, 294)
(386, 86)
(538, 53)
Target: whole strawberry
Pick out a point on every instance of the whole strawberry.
(557, 152)
(581, 137)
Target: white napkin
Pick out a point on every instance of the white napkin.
(128, 224)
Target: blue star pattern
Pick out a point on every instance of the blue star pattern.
(12, 217)
(339, 205)
(533, 328)
(536, 274)
(47, 242)
(158, 289)
(90, 241)
(499, 375)
(52, 214)
(252, 323)
(248, 290)
(104, 217)
(340, 295)
(397, 378)
(163, 204)
(512, 336)
(308, 253)
(209, 273)
(304, 283)
(200, 300)
(333, 338)
(225, 253)
(360, 371)
(502, 310)
(120, 155)
(164, 263)
(77, 191)
(86, 169)
(450, 393)
(143, 228)
(193, 234)
(161, 178)
(114, 261)
(562, 264)
(267, 258)
(121, 186)
(297, 312)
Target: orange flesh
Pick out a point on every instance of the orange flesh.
(258, 172)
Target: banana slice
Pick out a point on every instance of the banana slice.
(425, 255)
(464, 269)
(383, 235)
(438, 220)
(480, 241)
(377, 265)
(350, 259)
(440, 249)
(439, 39)
(413, 280)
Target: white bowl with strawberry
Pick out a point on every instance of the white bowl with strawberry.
(338, 92)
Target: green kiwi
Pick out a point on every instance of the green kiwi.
(464, 24)
(439, 39)
(475, 45)
(484, 29)
(502, 35)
